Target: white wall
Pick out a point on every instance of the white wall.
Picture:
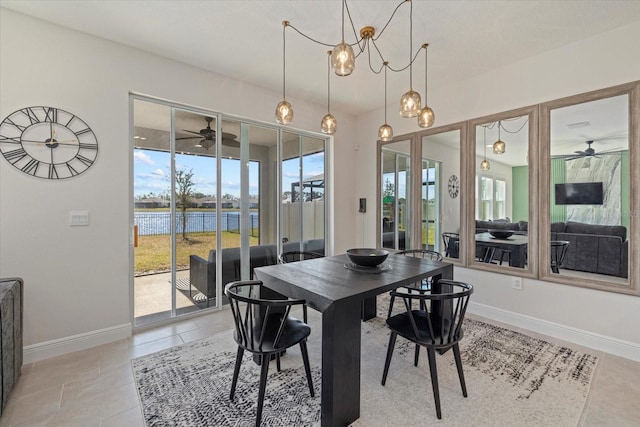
(77, 279)
(595, 318)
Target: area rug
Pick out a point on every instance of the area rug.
(512, 379)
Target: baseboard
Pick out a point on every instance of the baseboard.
(581, 337)
(44, 350)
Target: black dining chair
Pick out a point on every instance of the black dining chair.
(451, 244)
(294, 256)
(264, 328)
(421, 286)
(558, 253)
(436, 324)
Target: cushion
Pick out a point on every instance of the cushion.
(605, 230)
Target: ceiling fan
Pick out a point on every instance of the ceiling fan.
(207, 137)
(588, 152)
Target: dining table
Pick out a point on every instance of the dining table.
(516, 245)
(345, 295)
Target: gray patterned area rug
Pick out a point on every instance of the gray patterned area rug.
(512, 379)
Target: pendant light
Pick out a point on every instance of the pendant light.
(426, 116)
(328, 124)
(284, 111)
(410, 103)
(484, 165)
(342, 59)
(385, 133)
(499, 146)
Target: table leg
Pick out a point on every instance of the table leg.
(341, 336)
(369, 309)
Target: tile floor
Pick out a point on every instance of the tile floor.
(95, 388)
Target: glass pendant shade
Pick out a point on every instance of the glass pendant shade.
(284, 112)
(426, 117)
(343, 60)
(385, 133)
(410, 104)
(499, 147)
(484, 165)
(329, 124)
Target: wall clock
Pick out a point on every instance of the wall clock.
(454, 186)
(47, 142)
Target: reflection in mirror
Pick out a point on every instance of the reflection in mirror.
(502, 191)
(440, 193)
(589, 189)
(395, 185)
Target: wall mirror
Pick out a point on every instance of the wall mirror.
(394, 189)
(501, 182)
(440, 193)
(587, 233)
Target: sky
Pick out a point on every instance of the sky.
(152, 171)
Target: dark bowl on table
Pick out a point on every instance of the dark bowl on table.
(501, 234)
(365, 257)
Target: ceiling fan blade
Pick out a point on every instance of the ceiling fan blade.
(190, 131)
(231, 143)
(188, 137)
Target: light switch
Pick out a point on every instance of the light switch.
(78, 218)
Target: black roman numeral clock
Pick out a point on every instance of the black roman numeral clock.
(47, 142)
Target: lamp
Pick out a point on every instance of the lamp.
(426, 116)
(342, 60)
(499, 146)
(284, 111)
(328, 124)
(484, 165)
(385, 132)
(410, 101)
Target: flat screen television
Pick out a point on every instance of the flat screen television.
(579, 193)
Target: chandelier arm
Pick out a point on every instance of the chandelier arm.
(383, 61)
(284, 56)
(390, 18)
(406, 66)
(311, 38)
(353, 27)
(411, 46)
(516, 131)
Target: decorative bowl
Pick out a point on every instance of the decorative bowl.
(366, 257)
(501, 234)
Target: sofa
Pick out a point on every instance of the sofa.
(202, 273)
(600, 249)
(388, 240)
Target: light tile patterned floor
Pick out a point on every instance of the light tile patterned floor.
(95, 387)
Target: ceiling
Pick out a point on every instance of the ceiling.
(243, 39)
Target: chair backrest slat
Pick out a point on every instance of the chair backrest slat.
(444, 327)
(254, 317)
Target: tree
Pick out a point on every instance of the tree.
(184, 193)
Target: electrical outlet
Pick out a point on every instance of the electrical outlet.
(517, 283)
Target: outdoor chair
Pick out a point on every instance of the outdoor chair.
(294, 256)
(436, 324)
(264, 328)
(558, 253)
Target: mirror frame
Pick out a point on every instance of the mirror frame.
(416, 164)
(633, 91)
(531, 269)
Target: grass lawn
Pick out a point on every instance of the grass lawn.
(153, 253)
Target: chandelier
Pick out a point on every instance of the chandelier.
(342, 59)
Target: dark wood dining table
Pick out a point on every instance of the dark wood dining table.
(340, 294)
(516, 245)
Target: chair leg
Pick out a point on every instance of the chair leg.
(387, 362)
(264, 370)
(278, 362)
(236, 371)
(304, 313)
(456, 355)
(434, 379)
(416, 357)
(391, 306)
(307, 368)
